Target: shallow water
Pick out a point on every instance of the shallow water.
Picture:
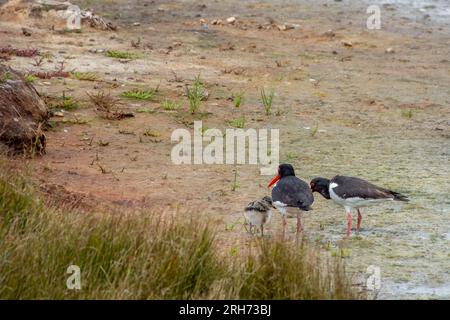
(437, 10)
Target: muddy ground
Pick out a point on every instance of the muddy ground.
(352, 110)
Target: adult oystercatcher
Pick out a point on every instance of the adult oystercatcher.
(258, 213)
(290, 191)
(353, 193)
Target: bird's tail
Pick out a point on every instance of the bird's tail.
(399, 196)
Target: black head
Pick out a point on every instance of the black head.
(321, 185)
(285, 170)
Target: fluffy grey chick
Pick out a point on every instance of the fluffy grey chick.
(258, 213)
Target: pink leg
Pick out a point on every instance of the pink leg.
(283, 222)
(299, 224)
(349, 224)
(359, 220)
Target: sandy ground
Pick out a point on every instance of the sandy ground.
(340, 110)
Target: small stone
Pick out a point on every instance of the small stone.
(390, 50)
(136, 24)
(347, 43)
(231, 20)
(26, 32)
(329, 33)
(58, 114)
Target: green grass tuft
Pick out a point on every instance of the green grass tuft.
(238, 99)
(408, 113)
(136, 94)
(170, 105)
(65, 102)
(194, 94)
(121, 54)
(29, 78)
(267, 100)
(83, 76)
(5, 77)
(237, 123)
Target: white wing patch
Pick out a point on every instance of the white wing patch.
(333, 185)
(279, 204)
(281, 207)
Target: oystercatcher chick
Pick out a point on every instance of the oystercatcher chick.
(353, 193)
(290, 191)
(258, 213)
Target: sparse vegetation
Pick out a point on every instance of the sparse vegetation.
(137, 94)
(237, 123)
(29, 78)
(83, 76)
(59, 72)
(194, 94)
(38, 61)
(145, 110)
(290, 156)
(314, 130)
(152, 133)
(408, 113)
(64, 102)
(103, 101)
(28, 53)
(170, 105)
(107, 106)
(121, 54)
(102, 143)
(267, 100)
(145, 256)
(238, 99)
(68, 103)
(5, 77)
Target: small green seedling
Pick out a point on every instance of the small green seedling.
(170, 105)
(238, 99)
(267, 100)
(237, 123)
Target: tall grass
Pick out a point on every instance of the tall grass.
(144, 256)
(194, 95)
(267, 100)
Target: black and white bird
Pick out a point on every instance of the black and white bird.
(353, 193)
(290, 191)
(258, 213)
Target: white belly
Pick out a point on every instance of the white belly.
(257, 218)
(354, 202)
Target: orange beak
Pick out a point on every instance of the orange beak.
(277, 177)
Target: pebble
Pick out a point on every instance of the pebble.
(330, 33)
(231, 20)
(390, 50)
(347, 43)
